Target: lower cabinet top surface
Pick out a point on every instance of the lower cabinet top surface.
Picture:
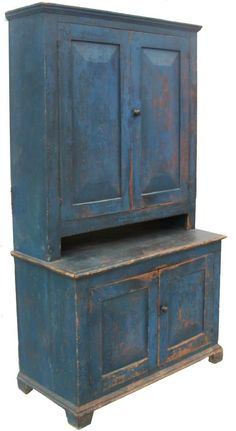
(100, 255)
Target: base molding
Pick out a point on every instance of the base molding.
(80, 416)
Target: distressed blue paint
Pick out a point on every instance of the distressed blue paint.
(160, 120)
(214, 328)
(109, 221)
(187, 290)
(186, 303)
(95, 76)
(47, 328)
(34, 138)
(76, 352)
(94, 136)
(28, 170)
(160, 76)
(193, 128)
(60, 183)
(90, 318)
(110, 18)
(122, 330)
(116, 249)
(148, 265)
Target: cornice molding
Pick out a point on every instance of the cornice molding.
(53, 8)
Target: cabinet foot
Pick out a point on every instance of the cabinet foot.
(23, 386)
(79, 421)
(216, 356)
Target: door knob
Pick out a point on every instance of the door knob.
(163, 309)
(136, 112)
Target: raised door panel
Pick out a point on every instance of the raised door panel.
(160, 133)
(123, 331)
(186, 305)
(94, 135)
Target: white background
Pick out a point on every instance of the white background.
(200, 397)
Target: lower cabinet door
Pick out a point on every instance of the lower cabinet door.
(185, 308)
(123, 331)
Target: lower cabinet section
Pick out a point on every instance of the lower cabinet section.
(141, 323)
(86, 339)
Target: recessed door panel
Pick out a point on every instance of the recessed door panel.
(161, 132)
(123, 331)
(185, 308)
(96, 122)
(94, 134)
(160, 99)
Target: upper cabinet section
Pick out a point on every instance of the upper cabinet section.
(103, 127)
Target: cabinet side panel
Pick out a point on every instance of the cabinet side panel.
(47, 328)
(27, 106)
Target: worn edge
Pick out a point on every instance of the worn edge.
(51, 265)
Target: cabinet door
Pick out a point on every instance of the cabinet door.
(94, 137)
(185, 308)
(160, 79)
(123, 331)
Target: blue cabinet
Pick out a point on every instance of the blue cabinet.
(100, 329)
(115, 287)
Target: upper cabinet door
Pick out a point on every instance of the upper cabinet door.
(94, 137)
(160, 80)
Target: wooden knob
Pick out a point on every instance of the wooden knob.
(163, 309)
(136, 112)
